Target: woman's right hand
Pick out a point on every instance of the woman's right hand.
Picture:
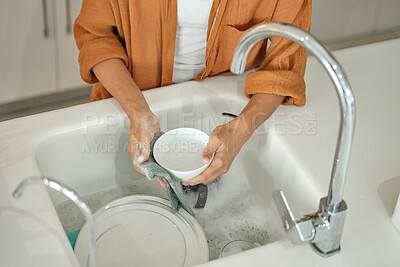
(144, 126)
(115, 77)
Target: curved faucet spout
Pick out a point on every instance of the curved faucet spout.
(333, 203)
(71, 195)
(343, 89)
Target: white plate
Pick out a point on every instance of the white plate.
(143, 231)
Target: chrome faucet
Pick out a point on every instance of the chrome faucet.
(75, 198)
(323, 228)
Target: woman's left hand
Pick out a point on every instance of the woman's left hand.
(225, 141)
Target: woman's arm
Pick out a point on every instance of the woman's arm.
(227, 140)
(102, 57)
(282, 71)
(115, 77)
(278, 80)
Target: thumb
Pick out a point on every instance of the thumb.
(209, 150)
(143, 151)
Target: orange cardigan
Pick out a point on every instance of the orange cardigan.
(142, 33)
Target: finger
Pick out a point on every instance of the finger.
(161, 182)
(132, 146)
(142, 154)
(216, 169)
(212, 146)
(136, 168)
(144, 148)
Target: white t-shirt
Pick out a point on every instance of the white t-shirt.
(191, 39)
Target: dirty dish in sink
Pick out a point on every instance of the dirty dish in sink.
(143, 231)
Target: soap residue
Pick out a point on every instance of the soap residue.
(234, 212)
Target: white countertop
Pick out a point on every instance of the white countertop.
(31, 234)
(369, 238)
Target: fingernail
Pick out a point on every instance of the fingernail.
(206, 160)
(140, 159)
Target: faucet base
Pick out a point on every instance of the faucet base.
(325, 254)
(329, 228)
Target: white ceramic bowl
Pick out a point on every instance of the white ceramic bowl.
(179, 152)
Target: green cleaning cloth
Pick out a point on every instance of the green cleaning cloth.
(154, 171)
(72, 236)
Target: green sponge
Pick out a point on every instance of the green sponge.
(72, 236)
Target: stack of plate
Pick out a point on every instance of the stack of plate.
(143, 231)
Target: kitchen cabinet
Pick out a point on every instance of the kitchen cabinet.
(388, 16)
(332, 20)
(341, 20)
(66, 12)
(27, 52)
(38, 55)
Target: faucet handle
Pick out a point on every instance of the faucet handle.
(298, 231)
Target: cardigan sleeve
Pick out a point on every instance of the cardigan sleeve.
(282, 71)
(96, 36)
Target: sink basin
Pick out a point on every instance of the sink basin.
(92, 159)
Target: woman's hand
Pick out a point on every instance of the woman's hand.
(143, 127)
(115, 77)
(225, 141)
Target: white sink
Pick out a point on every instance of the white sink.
(93, 158)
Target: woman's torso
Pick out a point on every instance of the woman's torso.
(191, 39)
(148, 31)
